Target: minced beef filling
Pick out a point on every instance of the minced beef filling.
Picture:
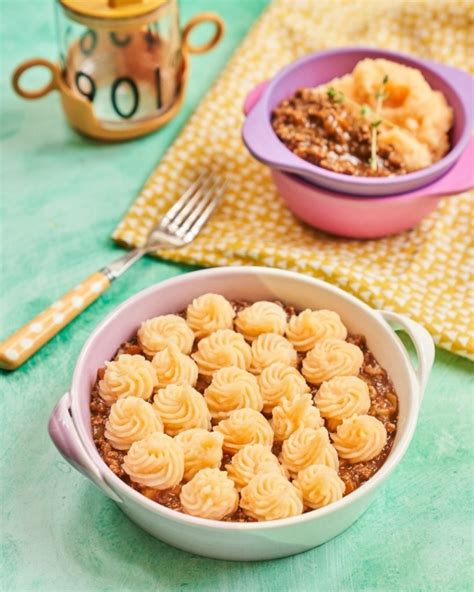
(384, 407)
(331, 134)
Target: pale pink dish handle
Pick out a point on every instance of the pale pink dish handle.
(63, 432)
(458, 179)
(423, 342)
(252, 98)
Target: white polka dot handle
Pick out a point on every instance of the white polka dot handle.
(177, 228)
(20, 346)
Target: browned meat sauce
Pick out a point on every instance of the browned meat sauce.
(332, 134)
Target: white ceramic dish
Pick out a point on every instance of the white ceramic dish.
(69, 424)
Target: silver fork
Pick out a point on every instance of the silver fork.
(177, 228)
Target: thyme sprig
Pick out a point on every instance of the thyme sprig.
(335, 95)
(380, 97)
(364, 109)
(375, 115)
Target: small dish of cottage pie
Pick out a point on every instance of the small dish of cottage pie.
(244, 411)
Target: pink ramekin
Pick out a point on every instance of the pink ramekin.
(366, 217)
(371, 217)
(320, 67)
(69, 425)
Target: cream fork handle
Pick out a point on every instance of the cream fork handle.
(20, 346)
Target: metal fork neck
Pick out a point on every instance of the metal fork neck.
(120, 265)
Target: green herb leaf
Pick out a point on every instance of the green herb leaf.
(331, 92)
(364, 110)
(376, 123)
(385, 79)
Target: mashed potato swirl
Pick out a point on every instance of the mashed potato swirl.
(261, 317)
(279, 381)
(232, 388)
(269, 348)
(360, 438)
(310, 326)
(174, 367)
(319, 485)
(341, 397)
(131, 419)
(127, 376)
(210, 494)
(270, 496)
(307, 446)
(250, 461)
(208, 313)
(202, 450)
(242, 427)
(155, 334)
(181, 407)
(155, 461)
(330, 358)
(220, 349)
(292, 414)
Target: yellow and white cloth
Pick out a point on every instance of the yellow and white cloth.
(424, 273)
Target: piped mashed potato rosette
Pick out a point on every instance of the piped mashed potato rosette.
(174, 367)
(155, 334)
(210, 494)
(242, 427)
(360, 438)
(261, 317)
(202, 450)
(208, 313)
(127, 376)
(155, 461)
(310, 326)
(279, 381)
(319, 485)
(131, 419)
(232, 388)
(251, 460)
(308, 446)
(341, 397)
(270, 496)
(330, 358)
(269, 348)
(292, 414)
(181, 407)
(221, 349)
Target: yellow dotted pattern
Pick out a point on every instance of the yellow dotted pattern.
(424, 273)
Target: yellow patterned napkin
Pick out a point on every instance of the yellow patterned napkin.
(423, 273)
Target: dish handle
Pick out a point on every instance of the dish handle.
(464, 83)
(422, 341)
(254, 95)
(63, 433)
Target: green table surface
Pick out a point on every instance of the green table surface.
(62, 195)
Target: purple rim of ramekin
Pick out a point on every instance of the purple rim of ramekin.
(457, 80)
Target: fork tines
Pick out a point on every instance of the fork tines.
(192, 210)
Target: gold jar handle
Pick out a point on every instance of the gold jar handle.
(40, 92)
(195, 21)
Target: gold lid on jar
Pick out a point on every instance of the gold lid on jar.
(112, 9)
